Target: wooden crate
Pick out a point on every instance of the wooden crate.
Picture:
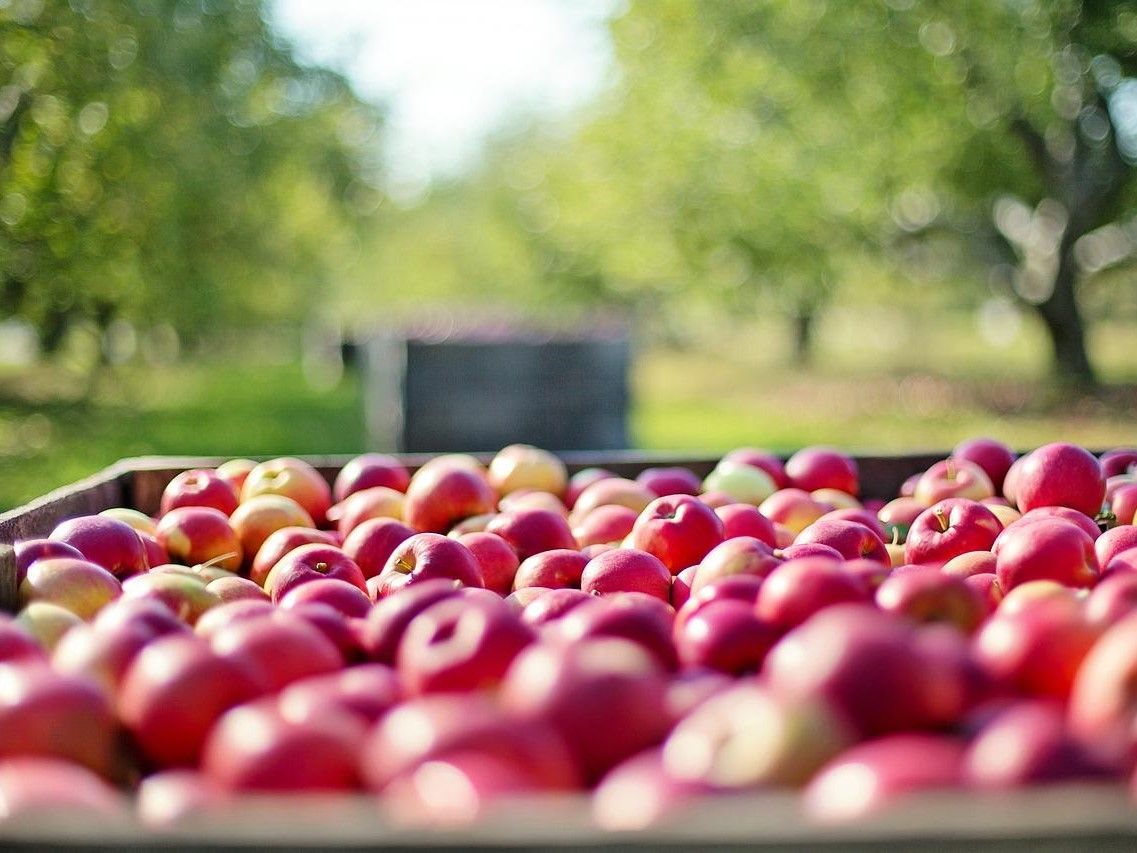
(1053, 818)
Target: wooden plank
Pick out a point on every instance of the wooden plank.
(93, 494)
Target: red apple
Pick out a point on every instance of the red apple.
(279, 543)
(554, 569)
(552, 605)
(199, 534)
(949, 528)
(898, 514)
(259, 517)
(292, 478)
(852, 540)
(953, 478)
(1045, 549)
(496, 558)
(366, 691)
(1123, 504)
(78, 585)
(626, 570)
(425, 556)
(768, 462)
(986, 587)
(1120, 460)
(994, 457)
(609, 524)
(869, 573)
(742, 555)
(1061, 475)
(371, 543)
(309, 563)
(669, 481)
(929, 595)
(679, 530)
(1113, 542)
(531, 531)
(644, 620)
(639, 793)
(344, 597)
(1114, 598)
(368, 471)
(1122, 563)
(388, 620)
(16, 644)
(681, 586)
(970, 563)
(1065, 514)
(823, 468)
(441, 495)
(798, 588)
(746, 520)
(725, 635)
(532, 499)
(199, 487)
(278, 648)
(859, 515)
(1102, 712)
(109, 543)
(358, 507)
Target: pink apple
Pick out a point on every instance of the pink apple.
(236, 589)
(35, 789)
(554, 569)
(626, 570)
(948, 529)
(17, 645)
(292, 478)
(200, 535)
(633, 616)
(278, 648)
(1102, 712)
(669, 481)
(725, 635)
(852, 540)
(199, 487)
(366, 691)
(870, 573)
(112, 544)
(312, 562)
(358, 507)
(608, 524)
(1066, 514)
(531, 531)
(553, 604)
(986, 587)
(532, 499)
(970, 563)
(425, 556)
(823, 468)
(184, 594)
(168, 798)
(611, 490)
(235, 472)
(1120, 460)
(1113, 542)
(994, 457)
(929, 595)
(768, 462)
(372, 542)
(1123, 562)
(496, 557)
(681, 586)
(742, 555)
(281, 542)
(441, 495)
(798, 588)
(1045, 549)
(1061, 475)
(678, 529)
(1123, 503)
(368, 471)
(953, 478)
(716, 499)
(388, 620)
(746, 520)
(344, 597)
(639, 793)
(794, 509)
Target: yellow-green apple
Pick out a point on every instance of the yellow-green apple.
(461, 645)
(823, 468)
(949, 528)
(375, 502)
(953, 478)
(497, 558)
(727, 636)
(678, 529)
(140, 521)
(44, 713)
(281, 542)
(925, 594)
(235, 472)
(368, 471)
(607, 524)
(237, 588)
(746, 520)
(426, 556)
(1051, 549)
(764, 459)
(747, 736)
(531, 531)
(634, 616)
(78, 585)
(674, 480)
(199, 487)
(1007, 515)
(580, 688)
(384, 626)
(441, 495)
(199, 534)
(1061, 474)
(744, 483)
(27, 551)
(794, 509)
(255, 748)
(970, 563)
(837, 499)
(522, 466)
(994, 457)
(873, 776)
(46, 623)
(185, 595)
(581, 480)
(372, 542)
(108, 542)
(292, 478)
(259, 517)
(626, 570)
(851, 539)
(611, 490)
(309, 563)
(278, 648)
(798, 588)
(742, 555)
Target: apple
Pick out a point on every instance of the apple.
(1065, 514)
(376, 502)
(669, 481)
(388, 620)
(1045, 549)
(292, 478)
(690, 688)
(1102, 711)
(747, 736)
(611, 490)
(970, 563)
(716, 499)
(496, 558)
(1113, 542)
(681, 586)
(17, 645)
(371, 543)
(200, 534)
(531, 531)
(368, 471)
(725, 635)
(46, 623)
(626, 570)
(949, 528)
(908, 487)
(532, 499)
(279, 543)
(810, 549)
(1124, 562)
(425, 556)
(1061, 475)
(460, 645)
(522, 466)
(746, 520)
(794, 509)
(366, 691)
(581, 480)
(953, 478)
(841, 501)
(1026, 594)
(872, 776)
(823, 468)
(1006, 515)
(473, 524)
(309, 563)
(798, 588)
(608, 524)
(344, 597)
(140, 521)
(851, 539)
(994, 457)
(441, 494)
(744, 483)
(677, 529)
(764, 459)
(256, 748)
(278, 648)
(259, 517)
(236, 589)
(185, 595)
(48, 714)
(986, 587)
(556, 569)
(930, 595)
(106, 542)
(235, 472)
(639, 793)
(634, 616)
(1123, 504)
(78, 585)
(101, 655)
(152, 618)
(742, 555)
(171, 797)
(199, 487)
(1120, 460)
(869, 573)
(34, 789)
(552, 605)
(28, 551)
(1114, 598)
(580, 689)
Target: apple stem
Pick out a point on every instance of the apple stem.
(941, 518)
(950, 470)
(216, 561)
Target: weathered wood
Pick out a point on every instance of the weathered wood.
(93, 494)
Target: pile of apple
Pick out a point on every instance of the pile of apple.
(472, 633)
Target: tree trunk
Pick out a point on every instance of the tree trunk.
(1064, 325)
(803, 320)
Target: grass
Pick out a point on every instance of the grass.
(875, 388)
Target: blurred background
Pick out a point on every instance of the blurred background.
(887, 224)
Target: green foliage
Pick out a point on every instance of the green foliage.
(166, 161)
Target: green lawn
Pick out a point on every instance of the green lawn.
(729, 393)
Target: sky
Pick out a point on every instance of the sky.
(452, 71)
